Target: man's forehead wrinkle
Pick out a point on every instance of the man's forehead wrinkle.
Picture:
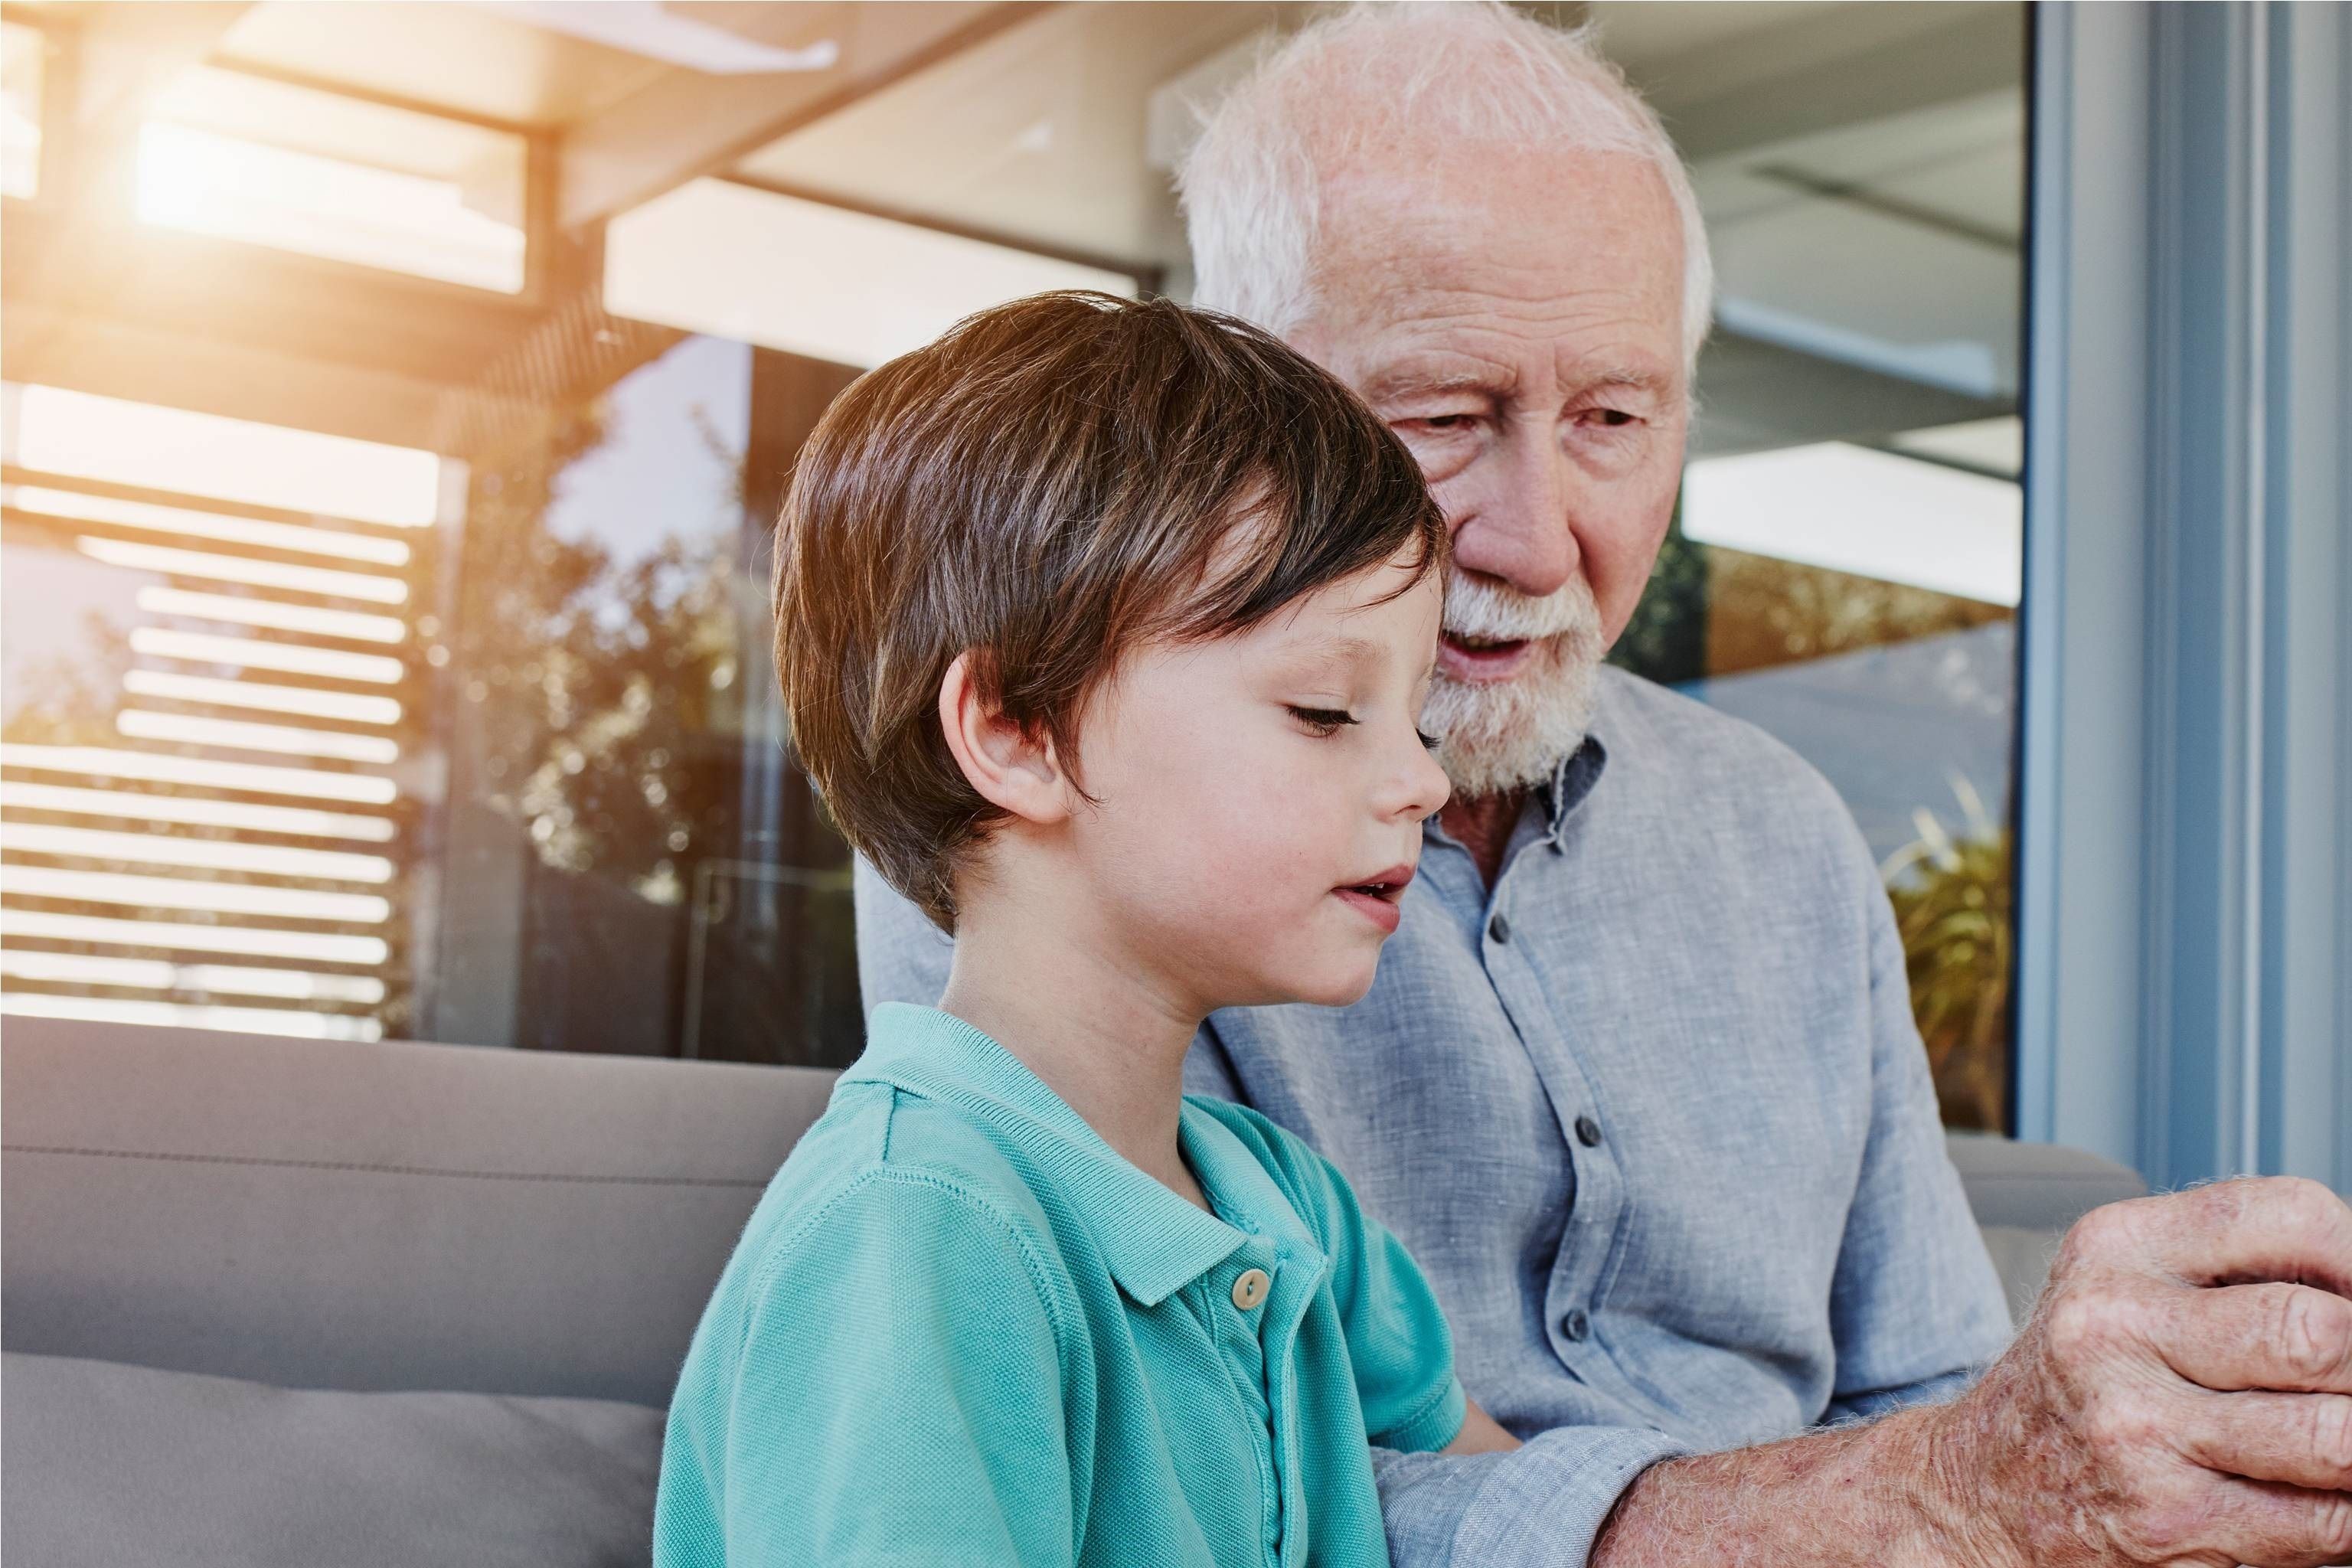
(1451, 239)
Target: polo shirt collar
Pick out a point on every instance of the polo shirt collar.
(1154, 1241)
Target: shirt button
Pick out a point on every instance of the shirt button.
(1500, 929)
(1250, 1287)
(1588, 1131)
(1576, 1325)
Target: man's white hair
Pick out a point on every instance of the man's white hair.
(1391, 76)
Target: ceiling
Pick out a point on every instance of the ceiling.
(457, 57)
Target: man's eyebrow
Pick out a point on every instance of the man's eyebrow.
(1406, 380)
(1637, 377)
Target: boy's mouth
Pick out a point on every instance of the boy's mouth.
(1378, 896)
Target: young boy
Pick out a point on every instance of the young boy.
(1103, 627)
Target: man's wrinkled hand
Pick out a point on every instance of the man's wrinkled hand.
(2182, 1395)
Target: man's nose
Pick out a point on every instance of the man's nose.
(1516, 525)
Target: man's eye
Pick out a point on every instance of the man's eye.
(1322, 721)
(1614, 417)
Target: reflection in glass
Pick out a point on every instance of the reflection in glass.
(161, 798)
(113, 441)
(615, 760)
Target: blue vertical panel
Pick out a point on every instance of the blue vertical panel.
(2082, 865)
(2185, 857)
(2205, 745)
(2301, 1120)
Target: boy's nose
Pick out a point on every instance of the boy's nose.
(1425, 786)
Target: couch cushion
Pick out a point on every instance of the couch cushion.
(123, 1467)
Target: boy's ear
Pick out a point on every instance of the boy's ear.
(1009, 767)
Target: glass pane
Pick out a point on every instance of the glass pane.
(635, 866)
(1847, 562)
(595, 838)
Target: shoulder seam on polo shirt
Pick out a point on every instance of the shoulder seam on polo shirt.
(917, 1175)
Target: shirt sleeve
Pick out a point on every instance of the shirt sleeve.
(896, 1399)
(1541, 1505)
(901, 955)
(1398, 1343)
(1916, 1309)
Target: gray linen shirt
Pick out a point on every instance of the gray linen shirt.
(1651, 1114)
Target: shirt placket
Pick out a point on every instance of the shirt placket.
(1597, 1186)
(1258, 1340)
(1241, 1292)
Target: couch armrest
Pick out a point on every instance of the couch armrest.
(2036, 1186)
(2025, 1195)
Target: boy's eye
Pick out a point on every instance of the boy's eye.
(1429, 741)
(1322, 721)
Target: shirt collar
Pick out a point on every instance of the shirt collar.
(1571, 782)
(1154, 1241)
(1573, 779)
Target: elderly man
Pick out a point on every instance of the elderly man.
(1638, 1082)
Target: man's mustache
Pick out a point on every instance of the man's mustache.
(1493, 610)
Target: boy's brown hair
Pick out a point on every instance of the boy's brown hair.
(1050, 483)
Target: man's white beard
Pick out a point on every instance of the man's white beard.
(1505, 735)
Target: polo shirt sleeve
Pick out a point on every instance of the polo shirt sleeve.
(897, 1397)
(1398, 1343)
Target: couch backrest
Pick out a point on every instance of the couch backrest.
(397, 1215)
(420, 1216)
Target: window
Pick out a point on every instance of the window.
(1846, 564)
(633, 865)
(472, 731)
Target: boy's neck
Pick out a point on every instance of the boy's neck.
(1087, 1024)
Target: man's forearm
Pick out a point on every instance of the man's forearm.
(1873, 1496)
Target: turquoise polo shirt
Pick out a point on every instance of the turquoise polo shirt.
(961, 1329)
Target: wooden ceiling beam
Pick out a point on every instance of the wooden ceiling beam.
(688, 124)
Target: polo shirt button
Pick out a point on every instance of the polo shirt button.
(1576, 1325)
(1250, 1287)
(1498, 927)
(1588, 1131)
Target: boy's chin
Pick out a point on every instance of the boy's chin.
(1337, 984)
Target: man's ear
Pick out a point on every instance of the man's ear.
(1009, 767)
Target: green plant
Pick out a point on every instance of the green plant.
(1952, 907)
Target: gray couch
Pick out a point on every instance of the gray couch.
(273, 1302)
